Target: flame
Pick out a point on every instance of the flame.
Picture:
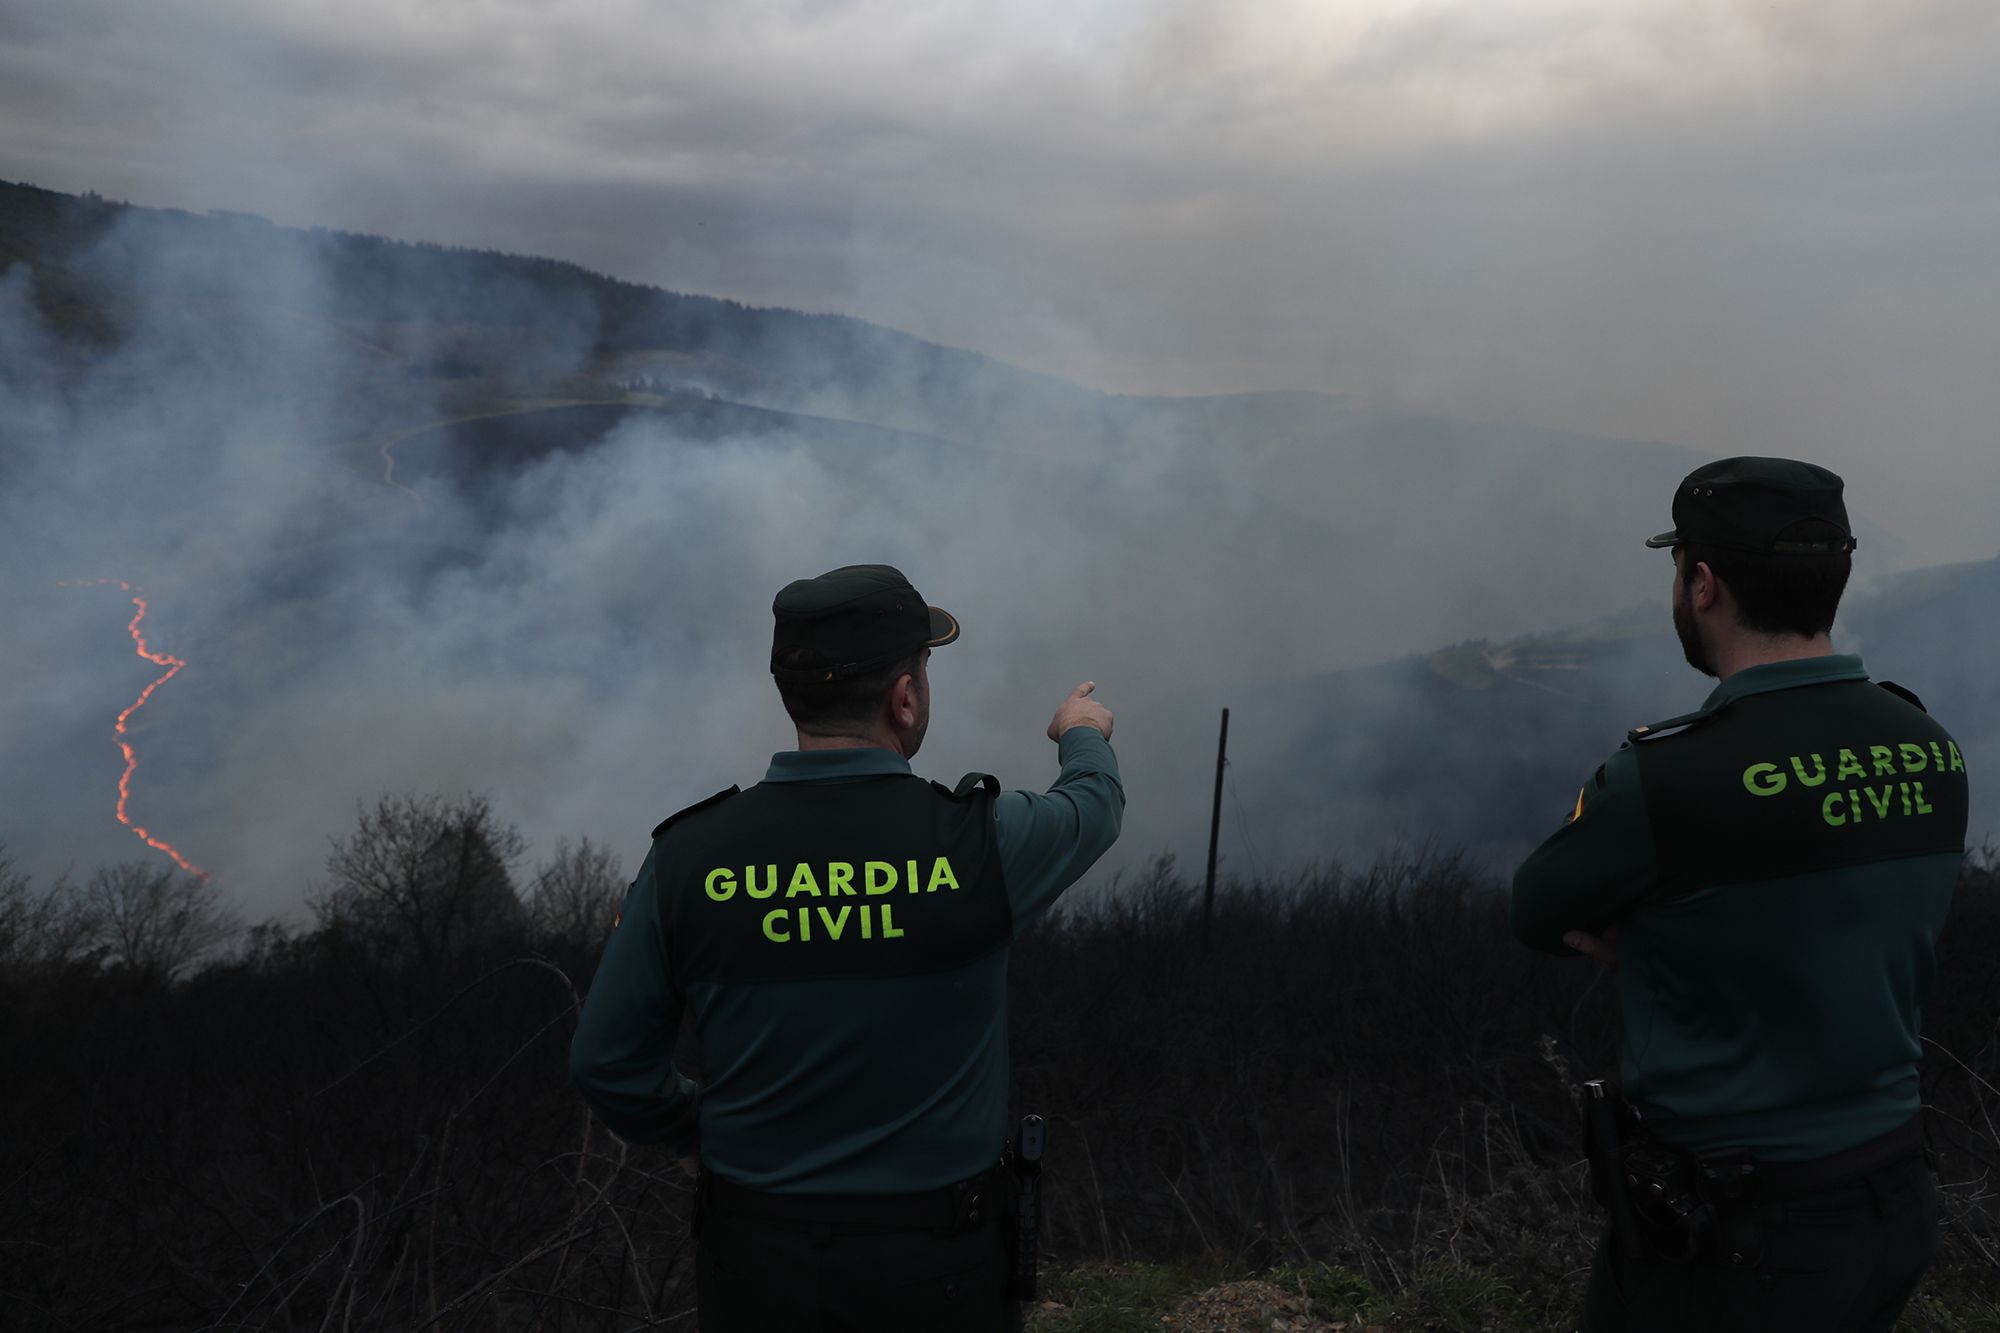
(173, 665)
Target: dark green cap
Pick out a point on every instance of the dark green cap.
(1767, 505)
(850, 621)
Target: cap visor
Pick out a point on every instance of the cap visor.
(1664, 539)
(944, 628)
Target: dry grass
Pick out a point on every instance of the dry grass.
(1354, 1107)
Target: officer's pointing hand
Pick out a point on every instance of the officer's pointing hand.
(1604, 948)
(1080, 710)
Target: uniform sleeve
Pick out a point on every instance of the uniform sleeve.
(622, 1054)
(1048, 839)
(1593, 868)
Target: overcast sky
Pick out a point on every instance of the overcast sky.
(1744, 227)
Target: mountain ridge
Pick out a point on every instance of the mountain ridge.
(487, 421)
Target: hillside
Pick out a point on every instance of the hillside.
(474, 323)
(407, 477)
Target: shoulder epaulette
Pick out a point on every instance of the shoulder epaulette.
(970, 783)
(679, 815)
(1653, 731)
(1907, 696)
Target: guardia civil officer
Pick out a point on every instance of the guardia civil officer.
(839, 934)
(1769, 874)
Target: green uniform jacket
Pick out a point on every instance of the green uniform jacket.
(810, 1136)
(1779, 865)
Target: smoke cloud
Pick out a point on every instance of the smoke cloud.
(1738, 229)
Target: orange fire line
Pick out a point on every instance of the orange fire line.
(173, 665)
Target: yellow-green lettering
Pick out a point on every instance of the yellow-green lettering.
(868, 921)
(1881, 802)
(889, 931)
(805, 923)
(1914, 758)
(914, 883)
(878, 878)
(720, 884)
(1957, 759)
(1923, 807)
(1885, 760)
(803, 881)
(1766, 780)
(835, 924)
(750, 881)
(771, 920)
(1818, 774)
(840, 879)
(1850, 766)
(1830, 810)
(941, 874)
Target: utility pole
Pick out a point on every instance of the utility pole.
(1214, 831)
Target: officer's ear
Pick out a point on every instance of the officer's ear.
(905, 701)
(1703, 587)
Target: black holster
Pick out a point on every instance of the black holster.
(1665, 1202)
(1609, 1133)
(1024, 1162)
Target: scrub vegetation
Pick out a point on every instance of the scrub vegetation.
(1345, 1104)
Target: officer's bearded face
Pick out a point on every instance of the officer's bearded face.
(1692, 647)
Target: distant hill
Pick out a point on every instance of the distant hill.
(382, 343)
(483, 320)
(1294, 554)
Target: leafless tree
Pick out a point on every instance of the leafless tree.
(39, 928)
(155, 920)
(575, 895)
(423, 878)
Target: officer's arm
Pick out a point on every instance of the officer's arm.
(1048, 839)
(1592, 869)
(621, 1057)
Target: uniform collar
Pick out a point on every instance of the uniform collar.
(1784, 676)
(826, 765)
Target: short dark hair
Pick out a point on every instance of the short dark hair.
(1779, 592)
(823, 707)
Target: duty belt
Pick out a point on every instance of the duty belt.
(1777, 1182)
(949, 1211)
(1669, 1201)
